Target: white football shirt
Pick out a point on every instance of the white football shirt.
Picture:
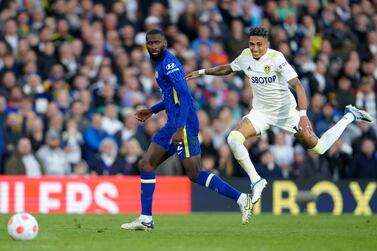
(268, 78)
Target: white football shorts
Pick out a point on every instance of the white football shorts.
(286, 120)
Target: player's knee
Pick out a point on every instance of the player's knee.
(193, 175)
(145, 165)
(235, 139)
(140, 164)
(314, 145)
(193, 172)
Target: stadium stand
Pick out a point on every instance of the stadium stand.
(73, 72)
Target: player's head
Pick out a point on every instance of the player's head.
(258, 41)
(156, 43)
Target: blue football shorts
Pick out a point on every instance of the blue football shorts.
(189, 147)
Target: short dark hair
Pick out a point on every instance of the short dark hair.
(155, 32)
(258, 31)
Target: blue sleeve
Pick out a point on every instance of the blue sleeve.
(176, 76)
(158, 107)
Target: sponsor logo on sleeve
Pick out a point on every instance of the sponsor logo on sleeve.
(283, 64)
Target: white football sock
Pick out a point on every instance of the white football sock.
(242, 200)
(332, 135)
(145, 218)
(235, 141)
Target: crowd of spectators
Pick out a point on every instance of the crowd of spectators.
(72, 73)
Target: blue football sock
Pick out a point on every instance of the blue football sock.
(148, 183)
(215, 183)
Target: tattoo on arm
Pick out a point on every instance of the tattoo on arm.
(293, 82)
(220, 70)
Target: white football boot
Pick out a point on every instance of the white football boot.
(138, 224)
(257, 189)
(358, 114)
(246, 209)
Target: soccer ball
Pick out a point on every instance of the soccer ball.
(23, 226)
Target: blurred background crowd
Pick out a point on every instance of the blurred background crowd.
(73, 72)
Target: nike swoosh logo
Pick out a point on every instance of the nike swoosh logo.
(149, 225)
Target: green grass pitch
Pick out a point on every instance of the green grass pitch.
(199, 231)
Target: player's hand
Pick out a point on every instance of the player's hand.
(177, 137)
(192, 75)
(144, 114)
(305, 126)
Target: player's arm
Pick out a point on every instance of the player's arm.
(284, 69)
(304, 123)
(143, 114)
(220, 70)
(158, 107)
(302, 101)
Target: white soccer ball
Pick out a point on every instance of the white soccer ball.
(23, 226)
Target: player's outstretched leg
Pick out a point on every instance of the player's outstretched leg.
(215, 183)
(144, 222)
(351, 114)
